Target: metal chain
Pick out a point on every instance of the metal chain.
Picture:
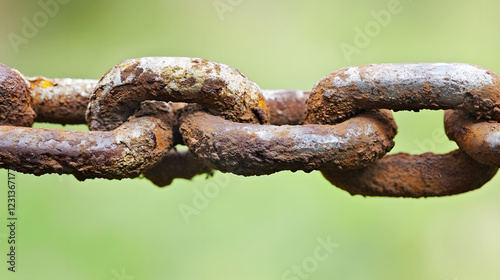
(142, 108)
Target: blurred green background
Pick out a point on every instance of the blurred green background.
(256, 227)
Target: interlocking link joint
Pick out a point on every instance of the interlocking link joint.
(348, 91)
(250, 149)
(121, 153)
(341, 127)
(220, 89)
(479, 139)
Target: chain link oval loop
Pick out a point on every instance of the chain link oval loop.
(412, 86)
(251, 149)
(408, 87)
(343, 133)
(404, 175)
(219, 88)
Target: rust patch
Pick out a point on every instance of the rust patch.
(122, 153)
(132, 69)
(15, 99)
(346, 92)
(176, 164)
(125, 100)
(250, 149)
(286, 106)
(213, 85)
(61, 101)
(404, 175)
(189, 82)
(164, 80)
(479, 139)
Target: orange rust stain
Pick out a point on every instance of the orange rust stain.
(41, 83)
(263, 104)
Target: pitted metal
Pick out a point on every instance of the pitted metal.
(478, 138)
(121, 153)
(229, 124)
(15, 98)
(404, 175)
(414, 86)
(251, 149)
(63, 101)
(221, 89)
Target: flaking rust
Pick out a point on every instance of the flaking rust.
(251, 149)
(479, 139)
(345, 92)
(287, 107)
(176, 164)
(349, 91)
(345, 134)
(218, 88)
(121, 153)
(15, 98)
(61, 101)
(404, 175)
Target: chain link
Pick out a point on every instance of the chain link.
(140, 109)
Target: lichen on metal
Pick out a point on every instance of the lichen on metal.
(220, 89)
(62, 101)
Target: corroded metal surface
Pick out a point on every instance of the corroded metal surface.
(15, 98)
(348, 91)
(250, 149)
(220, 89)
(404, 175)
(352, 90)
(286, 106)
(345, 135)
(61, 101)
(176, 164)
(122, 153)
(479, 139)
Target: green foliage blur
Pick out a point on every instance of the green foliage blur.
(267, 227)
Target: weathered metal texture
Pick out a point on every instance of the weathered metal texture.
(61, 101)
(348, 91)
(404, 175)
(122, 153)
(145, 131)
(286, 106)
(176, 164)
(15, 98)
(250, 149)
(220, 89)
(479, 139)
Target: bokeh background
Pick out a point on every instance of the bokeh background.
(254, 227)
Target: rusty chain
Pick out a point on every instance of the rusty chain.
(142, 108)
